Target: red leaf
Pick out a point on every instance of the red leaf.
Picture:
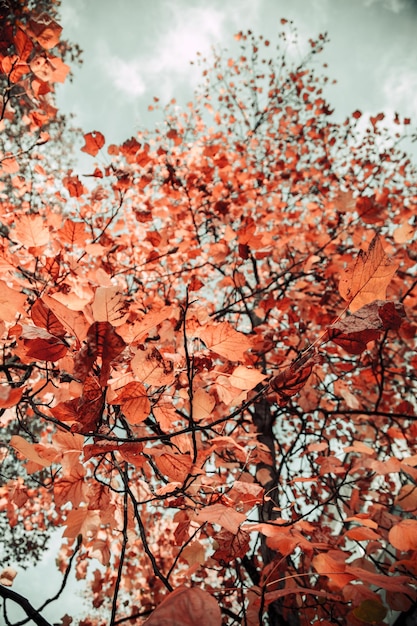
(366, 325)
(186, 607)
(41, 345)
(23, 44)
(103, 342)
(291, 380)
(85, 411)
(231, 546)
(42, 316)
(94, 141)
(45, 30)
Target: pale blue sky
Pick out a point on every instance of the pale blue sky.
(136, 49)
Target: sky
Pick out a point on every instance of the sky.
(137, 49)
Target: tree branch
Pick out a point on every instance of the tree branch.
(31, 612)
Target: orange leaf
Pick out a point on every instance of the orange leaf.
(29, 450)
(73, 233)
(134, 402)
(71, 488)
(23, 44)
(11, 302)
(75, 187)
(42, 316)
(31, 231)
(332, 564)
(362, 534)
(151, 368)
(94, 141)
(224, 516)
(96, 449)
(245, 377)
(407, 498)
(74, 321)
(186, 607)
(139, 330)
(225, 341)
(369, 277)
(109, 306)
(82, 521)
(9, 396)
(203, 404)
(403, 233)
(176, 466)
(403, 535)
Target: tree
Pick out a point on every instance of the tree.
(216, 347)
(31, 62)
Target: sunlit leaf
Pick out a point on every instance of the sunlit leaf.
(368, 277)
(226, 341)
(94, 141)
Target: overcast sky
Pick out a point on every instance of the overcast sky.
(137, 49)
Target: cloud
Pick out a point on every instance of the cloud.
(392, 5)
(400, 90)
(126, 76)
(184, 31)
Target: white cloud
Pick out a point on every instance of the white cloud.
(392, 5)
(126, 76)
(400, 90)
(184, 31)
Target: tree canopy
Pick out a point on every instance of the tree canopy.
(208, 352)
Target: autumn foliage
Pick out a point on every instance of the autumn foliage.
(208, 353)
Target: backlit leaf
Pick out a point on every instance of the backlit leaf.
(11, 302)
(30, 230)
(74, 321)
(94, 141)
(225, 516)
(245, 377)
(186, 607)
(134, 402)
(403, 535)
(29, 450)
(109, 306)
(368, 277)
(226, 341)
(9, 396)
(203, 404)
